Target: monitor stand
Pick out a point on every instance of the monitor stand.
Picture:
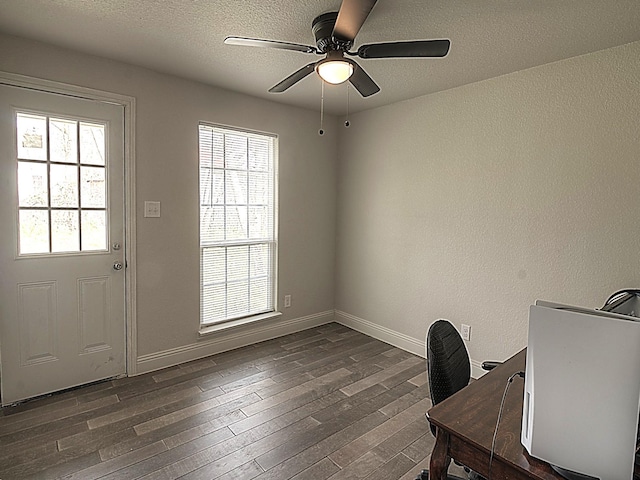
(569, 475)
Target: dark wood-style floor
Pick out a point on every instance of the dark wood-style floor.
(326, 403)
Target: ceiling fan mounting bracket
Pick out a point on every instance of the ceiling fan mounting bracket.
(322, 27)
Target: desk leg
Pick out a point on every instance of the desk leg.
(440, 458)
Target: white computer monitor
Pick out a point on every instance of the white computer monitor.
(582, 390)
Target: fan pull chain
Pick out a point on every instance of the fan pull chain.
(321, 131)
(347, 123)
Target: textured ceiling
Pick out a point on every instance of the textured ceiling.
(489, 38)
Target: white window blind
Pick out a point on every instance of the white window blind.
(237, 224)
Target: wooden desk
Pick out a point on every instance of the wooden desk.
(465, 423)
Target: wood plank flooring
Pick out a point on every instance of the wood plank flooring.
(325, 403)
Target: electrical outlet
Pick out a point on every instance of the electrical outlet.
(287, 301)
(465, 331)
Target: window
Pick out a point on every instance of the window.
(62, 188)
(238, 245)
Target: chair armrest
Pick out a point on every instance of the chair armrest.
(490, 365)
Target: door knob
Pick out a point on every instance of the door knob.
(117, 265)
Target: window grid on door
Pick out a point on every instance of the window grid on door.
(62, 184)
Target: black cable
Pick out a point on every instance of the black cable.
(495, 431)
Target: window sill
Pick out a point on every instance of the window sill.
(221, 327)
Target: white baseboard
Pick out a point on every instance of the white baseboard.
(400, 340)
(386, 335)
(235, 338)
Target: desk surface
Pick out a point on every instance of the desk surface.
(466, 422)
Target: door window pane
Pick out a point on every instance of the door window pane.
(92, 144)
(63, 136)
(94, 230)
(32, 184)
(32, 136)
(34, 231)
(94, 187)
(64, 186)
(65, 231)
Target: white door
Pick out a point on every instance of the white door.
(62, 280)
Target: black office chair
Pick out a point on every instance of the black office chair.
(448, 370)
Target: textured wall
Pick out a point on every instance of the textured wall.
(472, 203)
(168, 112)
(468, 204)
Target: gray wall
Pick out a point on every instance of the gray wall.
(472, 203)
(468, 204)
(168, 112)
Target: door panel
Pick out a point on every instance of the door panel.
(62, 303)
(37, 317)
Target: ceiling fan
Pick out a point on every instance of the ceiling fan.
(335, 33)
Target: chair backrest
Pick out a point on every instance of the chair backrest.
(448, 365)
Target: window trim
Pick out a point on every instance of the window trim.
(222, 325)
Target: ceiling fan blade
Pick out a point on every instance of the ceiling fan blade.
(363, 82)
(256, 42)
(293, 79)
(418, 48)
(351, 16)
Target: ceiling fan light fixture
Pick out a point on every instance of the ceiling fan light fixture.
(334, 70)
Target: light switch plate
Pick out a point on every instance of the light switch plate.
(152, 209)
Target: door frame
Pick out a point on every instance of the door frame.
(129, 105)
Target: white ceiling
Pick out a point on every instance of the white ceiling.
(489, 38)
